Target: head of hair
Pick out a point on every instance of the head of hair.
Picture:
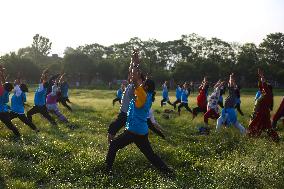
(45, 85)
(150, 85)
(8, 86)
(142, 76)
(24, 88)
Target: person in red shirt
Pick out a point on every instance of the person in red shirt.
(260, 119)
(279, 114)
(201, 98)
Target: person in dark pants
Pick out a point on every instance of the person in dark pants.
(137, 128)
(165, 95)
(153, 125)
(184, 98)
(17, 106)
(119, 94)
(178, 96)
(39, 100)
(64, 97)
(4, 114)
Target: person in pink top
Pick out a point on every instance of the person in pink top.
(51, 102)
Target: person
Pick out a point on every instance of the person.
(279, 113)
(64, 95)
(184, 98)
(51, 101)
(119, 94)
(40, 100)
(178, 96)
(165, 95)
(238, 99)
(212, 106)
(228, 115)
(137, 128)
(201, 98)
(5, 89)
(17, 105)
(222, 92)
(260, 118)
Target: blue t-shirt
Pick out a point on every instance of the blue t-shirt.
(17, 103)
(64, 89)
(40, 96)
(178, 93)
(4, 99)
(165, 92)
(119, 93)
(184, 96)
(137, 117)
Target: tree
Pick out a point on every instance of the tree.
(41, 47)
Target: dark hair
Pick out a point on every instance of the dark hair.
(271, 89)
(150, 85)
(8, 86)
(24, 88)
(142, 76)
(45, 85)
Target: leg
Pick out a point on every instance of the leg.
(175, 103)
(115, 100)
(154, 129)
(5, 118)
(63, 102)
(60, 116)
(187, 108)
(278, 114)
(240, 127)
(179, 107)
(120, 142)
(163, 101)
(26, 121)
(43, 111)
(169, 102)
(32, 111)
(116, 125)
(144, 146)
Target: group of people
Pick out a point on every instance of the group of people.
(49, 93)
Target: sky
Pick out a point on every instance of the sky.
(70, 23)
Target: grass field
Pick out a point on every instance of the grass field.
(73, 156)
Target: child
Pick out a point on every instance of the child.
(238, 99)
(63, 99)
(40, 101)
(279, 114)
(184, 98)
(212, 106)
(201, 98)
(165, 95)
(17, 105)
(222, 92)
(260, 119)
(119, 93)
(178, 96)
(4, 109)
(51, 101)
(228, 114)
(136, 127)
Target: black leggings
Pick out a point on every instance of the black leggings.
(115, 100)
(165, 100)
(5, 118)
(63, 101)
(43, 111)
(23, 118)
(238, 107)
(176, 102)
(184, 105)
(141, 142)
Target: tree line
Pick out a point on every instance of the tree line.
(189, 58)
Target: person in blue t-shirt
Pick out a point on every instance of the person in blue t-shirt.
(184, 98)
(119, 94)
(4, 109)
(165, 95)
(39, 101)
(178, 95)
(137, 128)
(17, 105)
(64, 95)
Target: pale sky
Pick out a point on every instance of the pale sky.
(78, 22)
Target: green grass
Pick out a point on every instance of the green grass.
(73, 157)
